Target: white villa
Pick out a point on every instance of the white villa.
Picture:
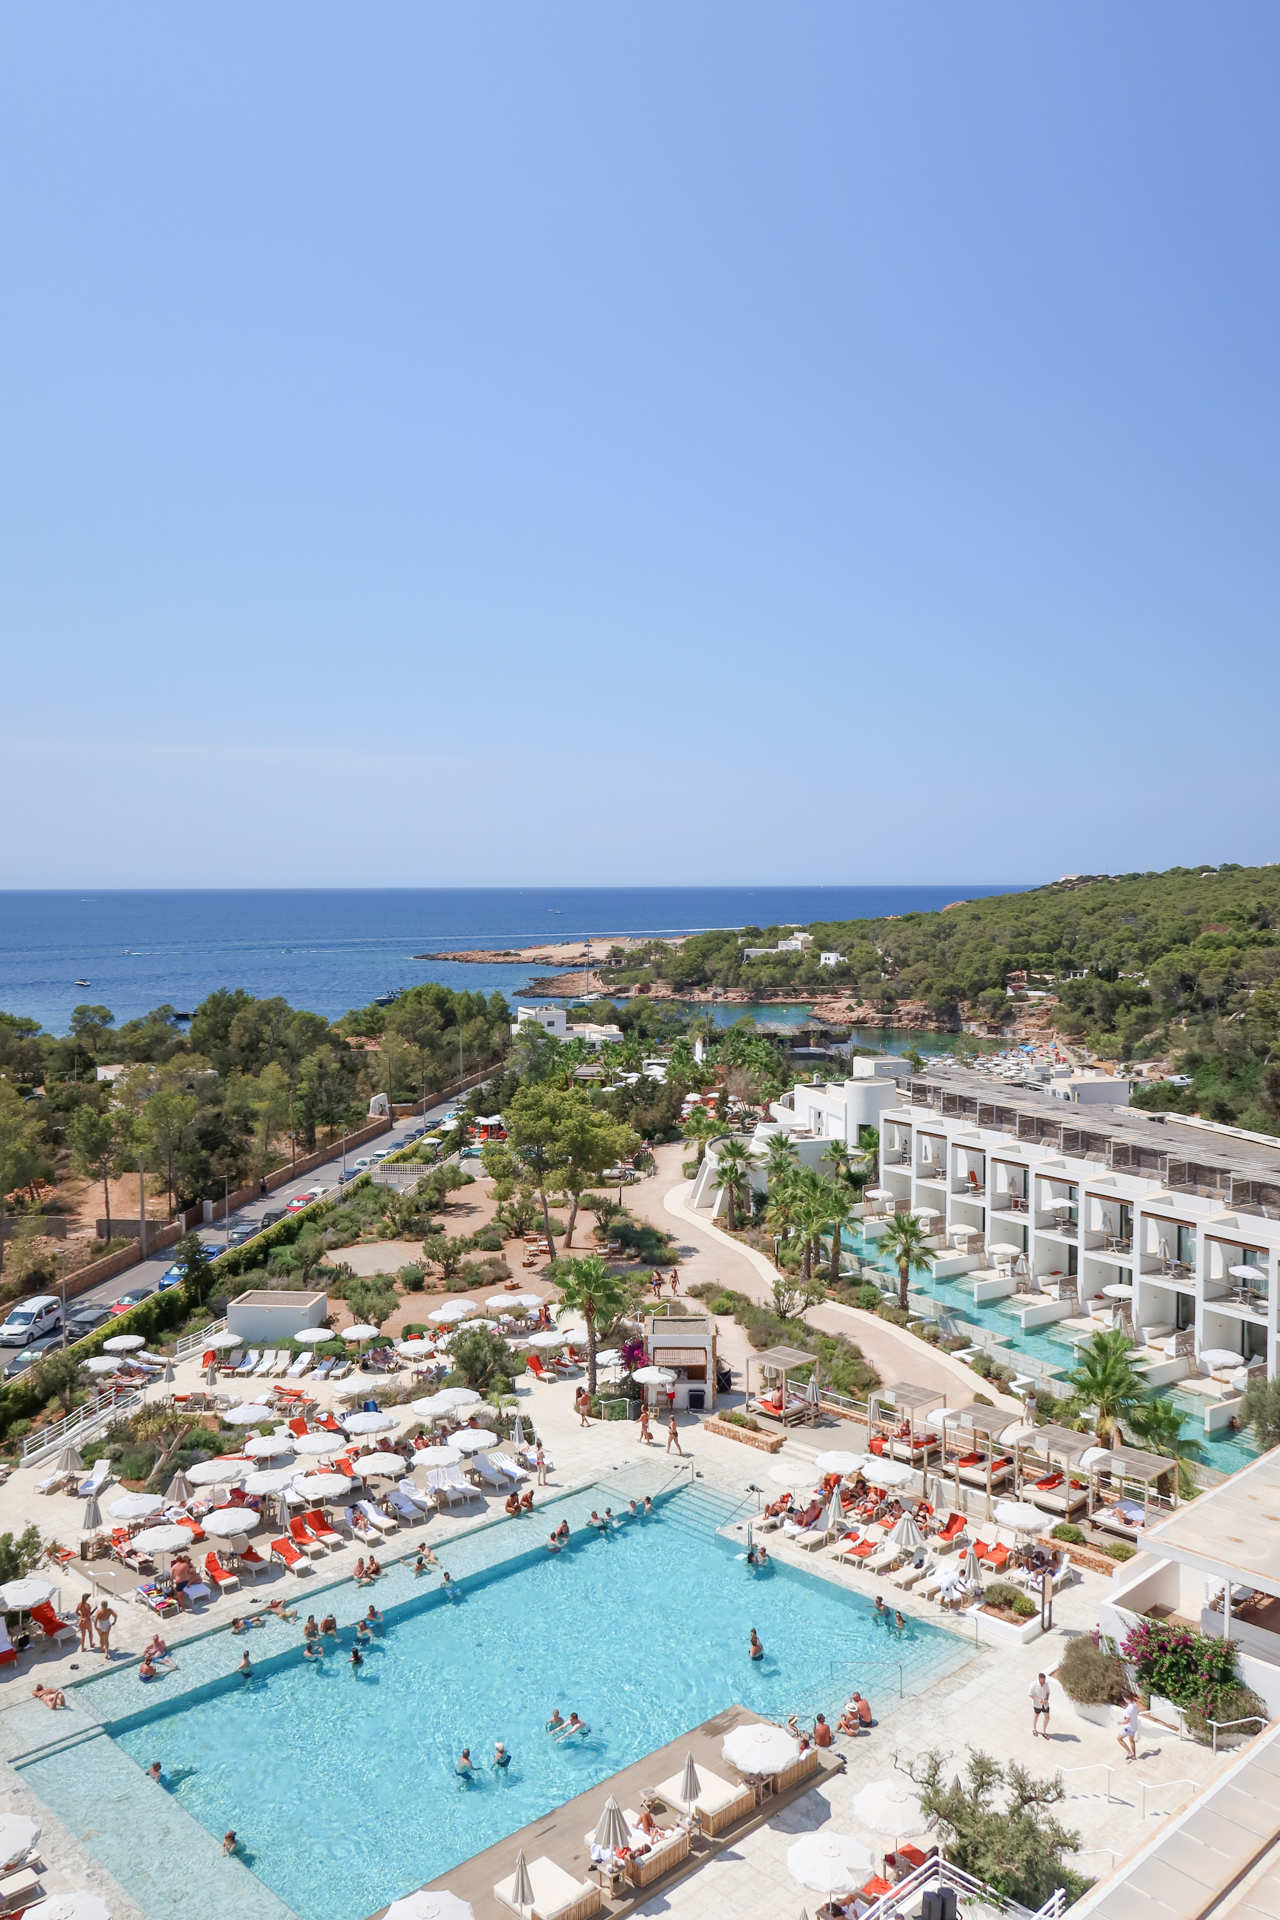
(555, 1022)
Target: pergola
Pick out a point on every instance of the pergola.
(781, 1361)
(1129, 1465)
(1058, 1447)
(958, 1432)
(890, 1408)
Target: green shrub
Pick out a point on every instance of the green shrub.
(869, 1298)
(412, 1279)
(1091, 1675)
(1024, 1606)
(488, 1240)
(1230, 1703)
(1066, 1531)
(1120, 1550)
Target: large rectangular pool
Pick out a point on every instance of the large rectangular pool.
(342, 1786)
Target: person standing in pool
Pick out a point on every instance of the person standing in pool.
(755, 1646)
(463, 1767)
(501, 1758)
(556, 1721)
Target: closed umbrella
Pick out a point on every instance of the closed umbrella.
(69, 1461)
(890, 1807)
(18, 1834)
(612, 1832)
(971, 1571)
(370, 1422)
(124, 1343)
(828, 1862)
(426, 1905)
(359, 1333)
(690, 1785)
(835, 1512)
(811, 1390)
(517, 1432)
(436, 1457)
(522, 1885)
(906, 1534)
(314, 1336)
(474, 1439)
(268, 1446)
(321, 1486)
(166, 1538)
(1019, 1516)
(91, 1519)
(224, 1522)
(168, 1376)
(318, 1443)
(216, 1473)
(758, 1747)
(389, 1465)
(135, 1506)
(251, 1414)
(30, 1591)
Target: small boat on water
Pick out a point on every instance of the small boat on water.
(84, 983)
(386, 999)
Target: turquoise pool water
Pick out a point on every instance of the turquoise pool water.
(1224, 1452)
(342, 1786)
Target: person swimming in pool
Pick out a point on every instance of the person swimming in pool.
(556, 1722)
(463, 1767)
(755, 1646)
(573, 1725)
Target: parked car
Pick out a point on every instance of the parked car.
(269, 1219)
(171, 1277)
(362, 1165)
(380, 1153)
(29, 1355)
(31, 1320)
(134, 1298)
(240, 1234)
(86, 1319)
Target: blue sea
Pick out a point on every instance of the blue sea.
(330, 951)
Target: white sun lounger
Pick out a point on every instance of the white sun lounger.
(720, 1803)
(506, 1464)
(300, 1366)
(250, 1362)
(816, 1537)
(556, 1894)
(268, 1360)
(490, 1473)
(281, 1363)
(340, 1369)
(375, 1519)
(449, 1487)
(95, 1480)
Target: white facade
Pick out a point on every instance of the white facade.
(1104, 1198)
(835, 1111)
(552, 1018)
(829, 959)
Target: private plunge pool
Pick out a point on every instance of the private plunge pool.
(341, 1784)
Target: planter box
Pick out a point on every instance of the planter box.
(764, 1442)
(1092, 1559)
(1096, 1713)
(1019, 1631)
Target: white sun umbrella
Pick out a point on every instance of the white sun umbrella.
(223, 1522)
(1118, 1290)
(1009, 1248)
(18, 1834)
(1222, 1357)
(451, 1311)
(827, 1862)
(321, 1486)
(426, 1905)
(318, 1443)
(415, 1349)
(611, 1831)
(30, 1591)
(521, 1885)
(551, 1338)
(927, 1213)
(270, 1479)
(124, 1343)
(474, 1439)
(221, 1342)
(890, 1807)
(166, 1538)
(448, 1400)
(314, 1336)
(1246, 1271)
(1059, 1206)
(488, 1325)
(1019, 1516)
(837, 1460)
(890, 1473)
(608, 1357)
(100, 1363)
(361, 1331)
(906, 1534)
(135, 1506)
(69, 1461)
(436, 1457)
(76, 1905)
(370, 1422)
(654, 1376)
(215, 1473)
(758, 1747)
(251, 1414)
(389, 1465)
(268, 1446)
(783, 1475)
(358, 1389)
(879, 1193)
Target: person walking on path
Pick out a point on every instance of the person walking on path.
(675, 1281)
(1128, 1734)
(646, 1438)
(1038, 1693)
(673, 1437)
(583, 1402)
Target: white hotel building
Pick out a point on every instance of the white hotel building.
(1079, 1197)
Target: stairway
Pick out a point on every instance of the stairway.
(701, 1512)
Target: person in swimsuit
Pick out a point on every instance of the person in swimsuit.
(555, 1723)
(755, 1646)
(501, 1758)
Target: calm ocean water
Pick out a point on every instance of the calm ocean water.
(331, 951)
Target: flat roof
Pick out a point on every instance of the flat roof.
(905, 1395)
(1231, 1531)
(783, 1358)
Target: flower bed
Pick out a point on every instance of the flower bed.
(749, 1436)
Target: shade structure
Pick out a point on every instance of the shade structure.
(77, 1905)
(135, 1506)
(69, 1461)
(124, 1343)
(29, 1591)
(545, 1341)
(225, 1522)
(19, 1833)
(217, 1473)
(1118, 1290)
(361, 1331)
(906, 1534)
(1246, 1271)
(690, 1785)
(321, 1486)
(758, 1747)
(436, 1457)
(179, 1491)
(890, 1807)
(370, 1422)
(388, 1465)
(223, 1342)
(971, 1571)
(426, 1905)
(91, 1518)
(100, 1363)
(166, 1538)
(268, 1446)
(270, 1480)
(448, 1400)
(1093, 1457)
(1222, 1357)
(314, 1336)
(837, 1460)
(878, 1193)
(451, 1311)
(474, 1439)
(611, 1830)
(509, 1302)
(654, 1377)
(927, 1213)
(522, 1885)
(890, 1473)
(251, 1414)
(318, 1443)
(1009, 1248)
(828, 1862)
(1020, 1516)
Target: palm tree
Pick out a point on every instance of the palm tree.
(905, 1241)
(733, 1165)
(836, 1156)
(701, 1126)
(1158, 1424)
(589, 1288)
(1105, 1379)
(839, 1215)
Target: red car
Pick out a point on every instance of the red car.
(134, 1299)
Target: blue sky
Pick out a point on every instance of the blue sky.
(597, 444)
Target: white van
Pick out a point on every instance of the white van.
(31, 1320)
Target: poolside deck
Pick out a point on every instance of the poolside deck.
(559, 1834)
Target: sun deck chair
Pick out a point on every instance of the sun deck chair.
(399, 1499)
(249, 1363)
(556, 1894)
(269, 1357)
(218, 1576)
(304, 1540)
(505, 1464)
(375, 1519)
(95, 1480)
(793, 1528)
(19, 1889)
(911, 1576)
(449, 1487)
(815, 1536)
(52, 1626)
(489, 1474)
(281, 1366)
(292, 1557)
(323, 1368)
(250, 1561)
(299, 1364)
(340, 1369)
(327, 1535)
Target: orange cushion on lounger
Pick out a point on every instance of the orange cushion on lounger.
(971, 1460)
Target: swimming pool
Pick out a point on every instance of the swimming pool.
(342, 1786)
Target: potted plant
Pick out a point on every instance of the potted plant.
(1094, 1680)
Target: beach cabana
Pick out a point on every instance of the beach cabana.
(1054, 1478)
(898, 1424)
(969, 1449)
(773, 1399)
(1127, 1468)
